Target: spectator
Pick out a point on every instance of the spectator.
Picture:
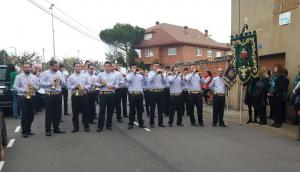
(260, 97)
(276, 93)
(249, 100)
(206, 89)
(10, 77)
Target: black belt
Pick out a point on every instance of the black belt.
(156, 90)
(106, 92)
(175, 94)
(135, 92)
(53, 93)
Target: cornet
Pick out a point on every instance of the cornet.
(30, 91)
(56, 84)
(79, 90)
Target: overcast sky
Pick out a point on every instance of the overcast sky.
(28, 28)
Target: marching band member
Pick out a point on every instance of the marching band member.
(194, 81)
(135, 95)
(118, 93)
(166, 92)
(175, 80)
(185, 93)
(64, 89)
(52, 80)
(108, 82)
(219, 90)
(78, 84)
(25, 85)
(146, 87)
(156, 80)
(92, 79)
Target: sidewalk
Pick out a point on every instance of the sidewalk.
(234, 116)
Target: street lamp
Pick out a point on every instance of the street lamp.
(51, 8)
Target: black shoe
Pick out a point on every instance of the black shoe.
(194, 125)
(142, 126)
(263, 123)
(222, 125)
(48, 133)
(161, 125)
(170, 125)
(75, 130)
(67, 114)
(214, 125)
(151, 125)
(273, 125)
(181, 125)
(109, 128)
(25, 135)
(31, 134)
(99, 130)
(201, 124)
(120, 120)
(249, 121)
(59, 132)
(255, 121)
(130, 127)
(87, 129)
(125, 116)
(277, 125)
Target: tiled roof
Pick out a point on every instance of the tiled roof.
(167, 34)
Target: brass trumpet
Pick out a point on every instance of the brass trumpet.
(56, 84)
(79, 90)
(29, 92)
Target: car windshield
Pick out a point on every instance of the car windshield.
(2, 74)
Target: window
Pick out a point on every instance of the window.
(209, 53)
(198, 52)
(218, 54)
(149, 53)
(172, 52)
(148, 36)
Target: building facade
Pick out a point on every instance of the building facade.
(170, 44)
(278, 34)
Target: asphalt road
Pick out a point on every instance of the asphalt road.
(178, 149)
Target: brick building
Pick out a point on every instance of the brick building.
(170, 44)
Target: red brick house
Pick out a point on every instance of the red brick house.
(171, 44)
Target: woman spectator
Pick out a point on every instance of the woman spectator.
(206, 89)
(249, 100)
(276, 92)
(296, 102)
(260, 95)
(10, 77)
(286, 83)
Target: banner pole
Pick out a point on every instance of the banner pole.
(241, 102)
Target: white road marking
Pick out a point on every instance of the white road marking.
(147, 129)
(10, 143)
(1, 165)
(17, 129)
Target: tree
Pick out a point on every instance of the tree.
(26, 57)
(4, 57)
(123, 37)
(69, 63)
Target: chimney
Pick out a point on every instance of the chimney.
(157, 22)
(206, 33)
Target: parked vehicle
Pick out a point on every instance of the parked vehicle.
(5, 93)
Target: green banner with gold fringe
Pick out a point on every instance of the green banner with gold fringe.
(245, 56)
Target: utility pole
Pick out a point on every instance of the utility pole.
(51, 8)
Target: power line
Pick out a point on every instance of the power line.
(63, 21)
(76, 21)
